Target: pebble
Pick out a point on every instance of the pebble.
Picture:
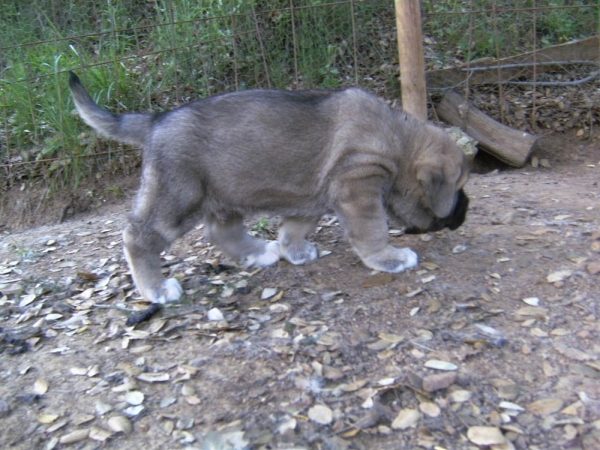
(432, 383)
(320, 414)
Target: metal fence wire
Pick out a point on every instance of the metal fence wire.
(139, 55)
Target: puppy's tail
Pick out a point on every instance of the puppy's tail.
(129, 128)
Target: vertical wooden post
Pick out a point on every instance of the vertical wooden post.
(412, 66)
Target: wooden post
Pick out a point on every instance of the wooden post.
(412, 66)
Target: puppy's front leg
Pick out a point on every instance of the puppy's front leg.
(361, 213)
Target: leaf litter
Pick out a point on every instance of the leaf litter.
(332, 354)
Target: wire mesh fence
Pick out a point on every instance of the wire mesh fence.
(137, 55)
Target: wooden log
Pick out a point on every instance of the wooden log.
(412, 65)
(585, 49)
(510, 146)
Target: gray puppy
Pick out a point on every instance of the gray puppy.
(292, 153)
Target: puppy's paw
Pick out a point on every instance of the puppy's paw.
(170, 291)
(268, 257)
(392, 260)
(300, 254)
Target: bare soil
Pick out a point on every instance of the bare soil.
(356, 344)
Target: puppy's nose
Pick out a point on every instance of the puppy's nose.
(453, 221)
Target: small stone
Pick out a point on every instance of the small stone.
(432, 383)
(593, 268)
(185, 423)
(215, 315)
(320, 414)
(268, 293)
(407, 418)
(507, 389)
(4, 409)
(559, 275)
(134, 398)
(486, 436)
(120, 424)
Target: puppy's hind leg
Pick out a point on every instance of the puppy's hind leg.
(143, 246)
(231, 237)
(292, 235)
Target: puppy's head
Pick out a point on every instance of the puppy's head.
(431, 196)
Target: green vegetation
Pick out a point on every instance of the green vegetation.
(153, 55)
(511, 30)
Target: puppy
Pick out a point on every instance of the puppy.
(297, 154)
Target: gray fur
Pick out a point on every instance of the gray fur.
(295, 154)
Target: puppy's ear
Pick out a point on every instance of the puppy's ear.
(439, 192)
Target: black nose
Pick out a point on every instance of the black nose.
(453, 221)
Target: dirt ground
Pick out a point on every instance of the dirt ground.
(493, 341)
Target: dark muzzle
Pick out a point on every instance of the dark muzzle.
(453, 221)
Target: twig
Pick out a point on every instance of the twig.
(553, 83)
(530, 64)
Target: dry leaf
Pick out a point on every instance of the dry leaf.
(74, 436)
(378, 280)
(40, 387)
(485, 436)
(440, 365)
(153, 377)
(406, 418)
(47, 418)
(545, 406)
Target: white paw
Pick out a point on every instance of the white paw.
(268, 257)
(305, 254)
(171, 291)
(392, 260)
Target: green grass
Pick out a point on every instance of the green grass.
(509, 31)
(132, 57)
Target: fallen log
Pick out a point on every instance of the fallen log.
(510, 146)
(506, 69)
